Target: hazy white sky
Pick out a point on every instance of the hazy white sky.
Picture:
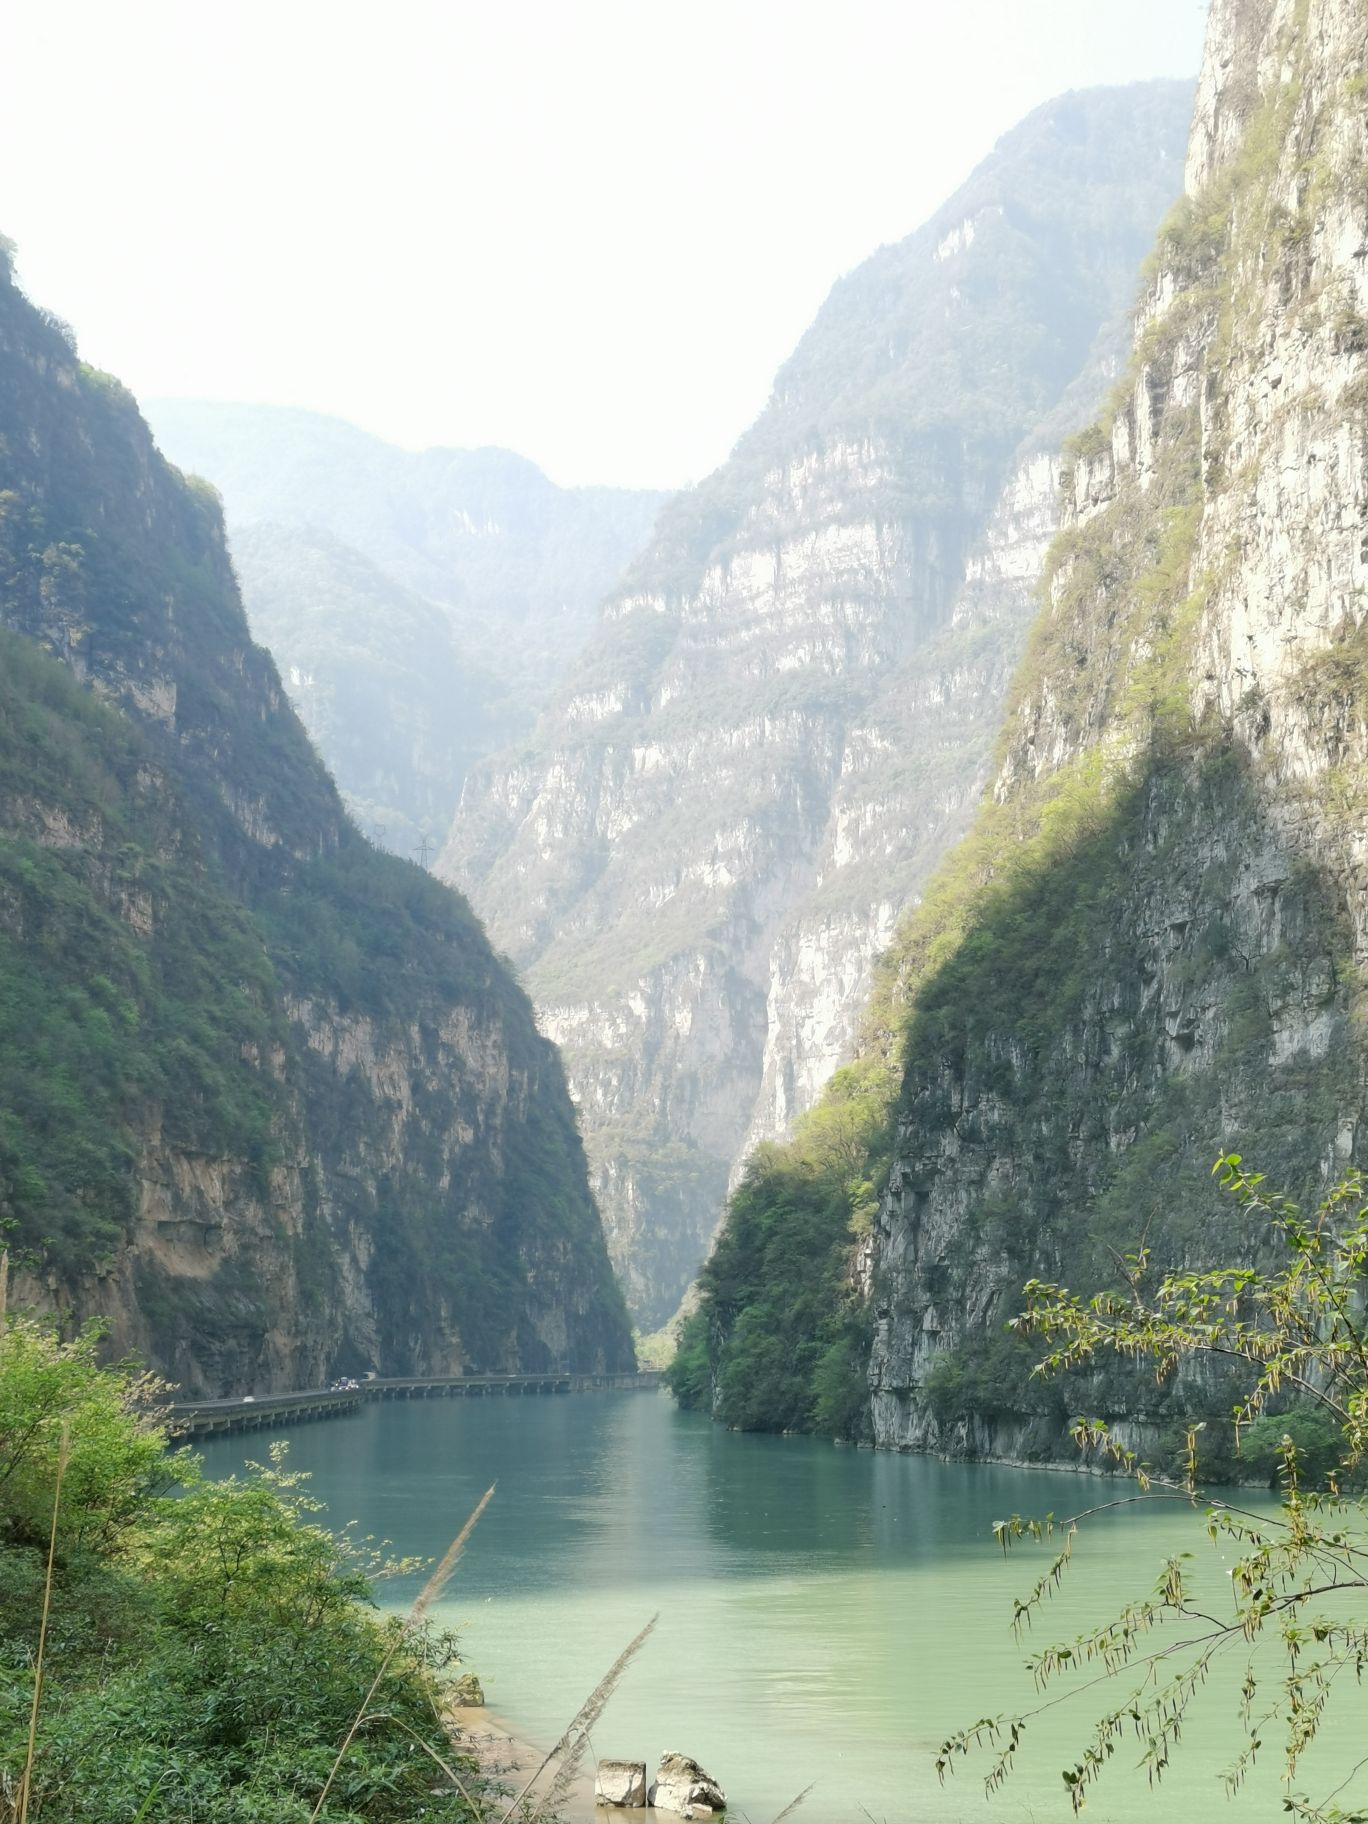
(589, 230)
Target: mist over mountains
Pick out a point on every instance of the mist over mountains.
(421, 605)
(797, 944)
(696, 759)
(701, 770)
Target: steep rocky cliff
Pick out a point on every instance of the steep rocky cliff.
(1161, 955)
(421, 605)
(788, 710)
(1150, 947)
(268, 1101)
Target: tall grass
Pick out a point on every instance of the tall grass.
(26, 1783)
(422, 1602)
(569, 1750)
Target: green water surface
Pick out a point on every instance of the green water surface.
(826, 1615)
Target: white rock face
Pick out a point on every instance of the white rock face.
(681, 1785)
(621, 1783)
(752, 864)
(889, 817)
(789, 713)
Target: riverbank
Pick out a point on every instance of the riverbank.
(504, 1756)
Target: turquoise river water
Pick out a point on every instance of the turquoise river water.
(826, 1615)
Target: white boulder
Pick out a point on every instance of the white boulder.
(681, 1785)
(621, 1783)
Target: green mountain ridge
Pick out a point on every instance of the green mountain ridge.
(269, 1102)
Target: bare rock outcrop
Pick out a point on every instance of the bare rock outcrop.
(621, 1784)
(682, 1786)
(788, 714)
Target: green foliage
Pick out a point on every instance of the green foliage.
(780, 1337)
(208, 1648)
(689, 1373)
(55, 1398)
(187, 923)
(128, 978)
(984, 1379)
(1293, 1623)
(378, 936)
(1315, 1437)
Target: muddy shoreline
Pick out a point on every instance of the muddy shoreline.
(504, 1755)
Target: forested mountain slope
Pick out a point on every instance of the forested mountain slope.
(1150, 947)
(787, 713)
(421, 605)
(268, 1101)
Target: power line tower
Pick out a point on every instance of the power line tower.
(423, 850)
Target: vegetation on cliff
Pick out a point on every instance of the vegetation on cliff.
(127, 975)
(1146, 946)
(779, 1342)
(271, 1102)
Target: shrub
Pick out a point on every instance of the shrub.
(209, 1644)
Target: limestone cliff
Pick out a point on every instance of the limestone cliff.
(268, 1101)
(788, 710)
(1151, 947)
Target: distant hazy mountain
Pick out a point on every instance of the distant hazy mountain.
(376, 674)
(422, 606)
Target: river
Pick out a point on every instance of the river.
(826, 1615)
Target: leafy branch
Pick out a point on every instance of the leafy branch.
(1295, 1589)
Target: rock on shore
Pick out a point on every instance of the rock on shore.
(682, 1785)
(621, 1783)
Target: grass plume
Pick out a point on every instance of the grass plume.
(569, 1750)
(26, 1783)
(422, 1602)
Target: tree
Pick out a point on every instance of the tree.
(173, 1647)
(55, 1398)
(1294, 1332)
